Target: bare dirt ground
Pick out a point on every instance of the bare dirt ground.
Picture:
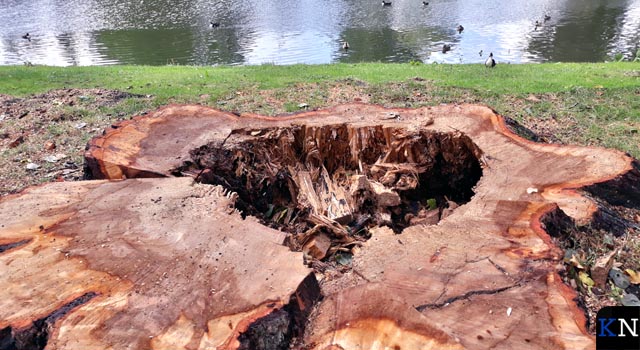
(42, 139)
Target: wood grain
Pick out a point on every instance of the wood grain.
(167, 264)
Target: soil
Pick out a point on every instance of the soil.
(42, 139)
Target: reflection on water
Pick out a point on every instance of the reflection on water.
(157, 32)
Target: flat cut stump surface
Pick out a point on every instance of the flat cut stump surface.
(137, 264)
(169, 263)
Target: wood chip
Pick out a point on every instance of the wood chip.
(317, 246)
(601, 268)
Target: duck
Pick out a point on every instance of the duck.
(345, 45)
(547, 17)
(445, 48)
(480, 53)
(214, 24)
(27, 36)
(490, 62)
(459, 28)
(425, 3)
(386, 3)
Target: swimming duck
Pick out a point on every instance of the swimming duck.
(345, 45)
(425, 3)
(459, 28)
(27, 36)
(490, 62)
(445, 48)
(386, 3)
(547, 17)
(214, 24)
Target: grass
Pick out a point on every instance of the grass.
(182, 82)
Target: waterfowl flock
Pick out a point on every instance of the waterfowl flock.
(490, 61)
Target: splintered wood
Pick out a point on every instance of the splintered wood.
(169, 264)
(326, 198)
(333, 199)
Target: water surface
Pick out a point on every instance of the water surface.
(158, 32)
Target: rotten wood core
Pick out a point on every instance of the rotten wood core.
(427, 229)
(343, 172)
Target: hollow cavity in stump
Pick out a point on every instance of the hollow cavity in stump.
(357, 176)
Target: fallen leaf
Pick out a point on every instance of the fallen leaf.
(32, 166)
(634, 277)
(15, 143)
(585, 279)
(630, 300)
(619, 279)
(269, 212)
(49, 145)
(280, 215)
(343, 258)
(51, 159)
(575, 262)
(532, 98)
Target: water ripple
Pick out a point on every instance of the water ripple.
(157, 32)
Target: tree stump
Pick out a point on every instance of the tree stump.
(464, 258)
(139, 264)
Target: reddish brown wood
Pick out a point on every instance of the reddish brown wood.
(137, 264)
(485, 276)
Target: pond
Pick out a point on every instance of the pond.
(159, 32)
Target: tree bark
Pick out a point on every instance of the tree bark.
(484, 276)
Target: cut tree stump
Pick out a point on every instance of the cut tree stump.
(484, 276)
(138, 264)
